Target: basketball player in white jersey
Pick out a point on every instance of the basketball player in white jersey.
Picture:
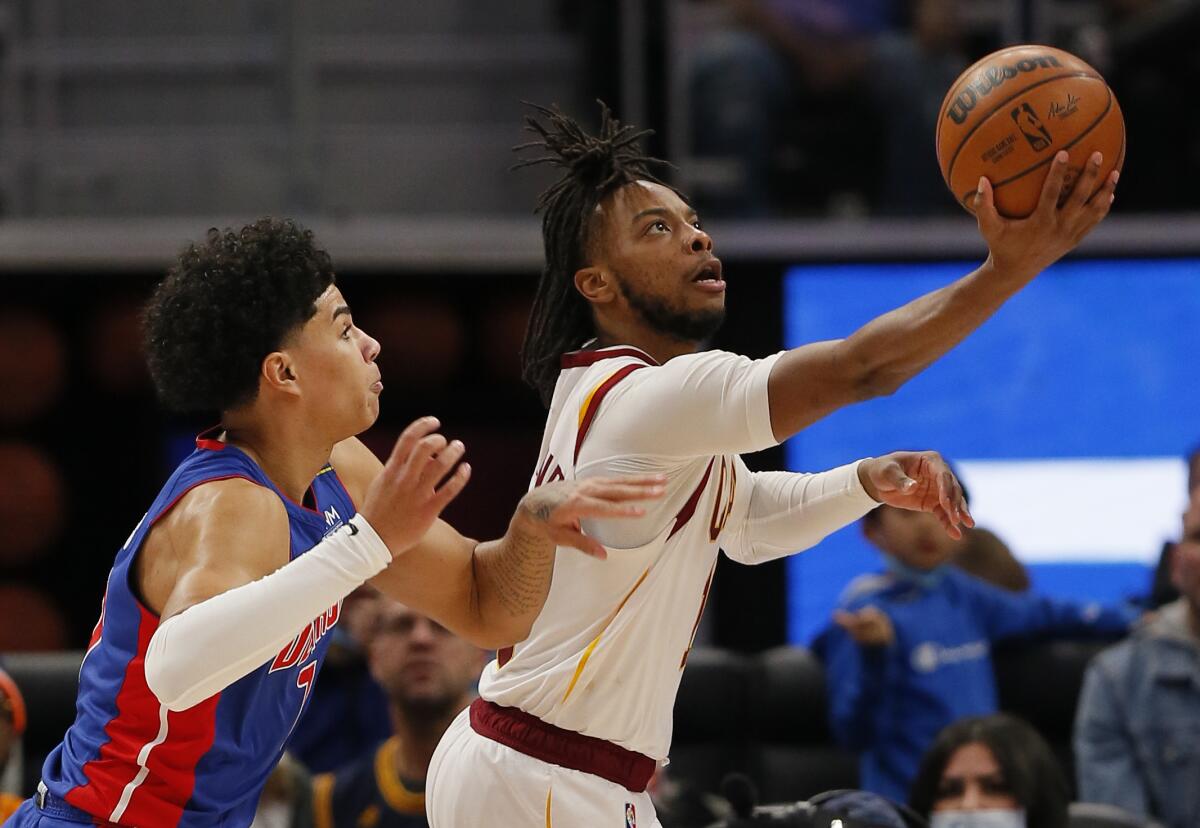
(572, 722)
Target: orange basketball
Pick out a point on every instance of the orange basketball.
(1008, 115)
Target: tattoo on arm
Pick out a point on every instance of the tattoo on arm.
(516, 572)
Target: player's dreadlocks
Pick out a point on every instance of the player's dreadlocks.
(596, 166)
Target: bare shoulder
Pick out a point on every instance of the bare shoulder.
(234, 527)
(356, 466)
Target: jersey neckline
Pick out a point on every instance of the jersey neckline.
(585, 357)
(206, 441)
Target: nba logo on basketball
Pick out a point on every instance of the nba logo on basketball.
(630, 815)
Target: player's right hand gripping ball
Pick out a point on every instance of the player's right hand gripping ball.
(1007, 116)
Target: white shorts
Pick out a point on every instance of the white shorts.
(475, 782)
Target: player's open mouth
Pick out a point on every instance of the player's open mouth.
(708, 276)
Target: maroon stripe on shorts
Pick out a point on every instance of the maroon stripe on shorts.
(528, 734)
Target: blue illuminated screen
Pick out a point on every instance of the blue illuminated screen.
(1067, 415)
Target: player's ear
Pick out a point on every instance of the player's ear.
(279, 372)
(595, 284)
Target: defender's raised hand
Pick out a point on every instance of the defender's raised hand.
(1064, 216)
(418, 481)
(557, 508)
(920, 481)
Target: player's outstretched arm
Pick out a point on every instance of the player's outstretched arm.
(814, 380)
(787, 513)
(491, 592)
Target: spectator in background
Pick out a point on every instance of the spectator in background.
(983, 554)
(910, 649)
(861, 87)
(991, 772)
(348, 714)
(1163, 590)
(1137, 729)
(12, 725)
(429, 675)
(286, 800)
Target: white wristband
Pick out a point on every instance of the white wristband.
(210, 645)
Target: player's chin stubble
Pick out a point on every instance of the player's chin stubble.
(682, 325)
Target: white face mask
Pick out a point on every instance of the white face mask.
(272, 815)
(977, 819)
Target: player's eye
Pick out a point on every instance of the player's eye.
(659, 226)
(346, 331)
(697, 224)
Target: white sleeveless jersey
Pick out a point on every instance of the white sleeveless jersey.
(605, 656)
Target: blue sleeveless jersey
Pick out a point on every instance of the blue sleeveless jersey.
(127, 759)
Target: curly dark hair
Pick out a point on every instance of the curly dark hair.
(595, 166)
(1031, 773)
(224, 306)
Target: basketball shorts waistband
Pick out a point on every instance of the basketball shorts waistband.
(58, 808)
(533, 737)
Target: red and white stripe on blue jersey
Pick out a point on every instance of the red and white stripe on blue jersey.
(127, 759)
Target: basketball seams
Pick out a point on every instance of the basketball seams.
(1092, 126)
(985, 117)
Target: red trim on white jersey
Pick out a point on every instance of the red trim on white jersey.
(689, 508)
(593, 403)
(582, 359)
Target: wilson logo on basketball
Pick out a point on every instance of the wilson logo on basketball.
(991, 79)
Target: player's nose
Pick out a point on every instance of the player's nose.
(700, 242)
(370, 348)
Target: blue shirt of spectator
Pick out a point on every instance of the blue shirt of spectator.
(911, 650)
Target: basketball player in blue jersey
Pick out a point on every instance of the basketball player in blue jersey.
(217, 611)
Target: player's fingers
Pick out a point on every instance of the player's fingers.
(422, 453)
(1104, 196)
(440, 465)
(577, 540)
(1086, 183)
(583, 506)
(1053, 188)
(451, 487)
(891, 476)
(986, 215)
(620, 491)
(949, 525)
(960, 505)
(947, 492)
(1101, 202)
(625, 488)
(409, 437)
(845, 620)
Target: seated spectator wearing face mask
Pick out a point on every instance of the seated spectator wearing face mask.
(991, 772)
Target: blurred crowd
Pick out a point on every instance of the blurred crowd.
(910, 692)
(792, 107)
(828, 106)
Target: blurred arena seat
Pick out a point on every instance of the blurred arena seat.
(32, 504)
(30, 621)
(32, 365)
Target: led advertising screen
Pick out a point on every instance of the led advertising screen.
(1067, 414)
